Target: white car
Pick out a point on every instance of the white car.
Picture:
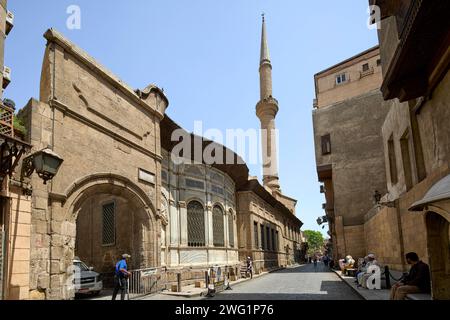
(90, 282)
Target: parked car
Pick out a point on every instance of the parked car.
(90, 282)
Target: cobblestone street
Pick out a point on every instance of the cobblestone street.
(300, 283)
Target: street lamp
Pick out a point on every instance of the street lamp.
(377, 197)
(46, 163)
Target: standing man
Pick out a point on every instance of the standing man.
(250, 267)
(121, 277)
(417, 281)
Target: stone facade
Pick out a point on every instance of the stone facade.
(210, 187)
(416, 140)
(413, 153)
(349, 148)
(118, 189)
(81, 115)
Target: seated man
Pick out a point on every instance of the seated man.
(417, 281)
(361, 267)
(365, 274)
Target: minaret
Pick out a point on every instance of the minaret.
(266, 110)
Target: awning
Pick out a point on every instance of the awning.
(438, 192)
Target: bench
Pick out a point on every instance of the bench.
(350, 272)
(418, 296)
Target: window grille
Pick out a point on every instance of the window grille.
(196, 224)
(217, 189)
(218, 227)
(195, 184)
(109, 224)
(255, 234)
(231, 229)
(263, 242)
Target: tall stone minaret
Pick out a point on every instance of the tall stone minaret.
(266, 110)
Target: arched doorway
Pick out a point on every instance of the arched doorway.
(112, 216)
(438, 238)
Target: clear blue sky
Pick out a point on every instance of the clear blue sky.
(205, 55)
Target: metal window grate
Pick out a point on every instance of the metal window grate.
(109, 224)
(218, 227)
(231, 229)
(255, 234)
(196, 224)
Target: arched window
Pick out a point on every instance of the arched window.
(231, 228)
(218, 228)
(196, 224)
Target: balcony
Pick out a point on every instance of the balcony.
(6, 77)
(11, 148)
(9, 22)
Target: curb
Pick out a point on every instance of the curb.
(355, 290)
(204, 292)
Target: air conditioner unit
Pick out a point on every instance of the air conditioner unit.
(9, 21)
(6, 76)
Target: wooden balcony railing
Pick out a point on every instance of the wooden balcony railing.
(6, 120)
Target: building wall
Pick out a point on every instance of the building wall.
(215, 188)
(383, 236)
(328, 92)
(81, 113)
(252, 209)
(17, 245)
(357, 161)
(435, 143)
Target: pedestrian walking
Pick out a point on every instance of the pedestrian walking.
(121, 275)
(315, 263)
(250, 267)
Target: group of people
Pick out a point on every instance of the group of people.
(364, 271)
(416, 281)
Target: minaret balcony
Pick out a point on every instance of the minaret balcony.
(267, 107)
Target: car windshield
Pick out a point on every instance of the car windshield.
(81, 265)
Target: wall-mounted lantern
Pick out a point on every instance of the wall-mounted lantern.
(377, 197)
(46, 163)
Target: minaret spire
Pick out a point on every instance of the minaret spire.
(265, 55)
(266, 110)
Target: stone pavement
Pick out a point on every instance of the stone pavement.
(367, 294)
(295, 283)
(300, 283)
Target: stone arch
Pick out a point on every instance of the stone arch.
(438, 245)
(136, 223)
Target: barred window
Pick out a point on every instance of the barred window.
(195, 184)
(218, 227)
(274, 248)
(109, 224)
(255, 234)
(276, 241)
(231, 229)
(196, 224)
(263, 242)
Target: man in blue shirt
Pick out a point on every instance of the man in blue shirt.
(120, 277)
